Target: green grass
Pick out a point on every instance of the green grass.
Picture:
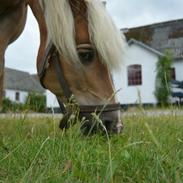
(150, 149)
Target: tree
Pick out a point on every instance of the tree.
(163, 79)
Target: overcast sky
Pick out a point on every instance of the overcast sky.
(21, 54)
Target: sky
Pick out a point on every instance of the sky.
(21, 55)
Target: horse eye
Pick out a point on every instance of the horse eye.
(86, 56)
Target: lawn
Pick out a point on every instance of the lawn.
(34, 150)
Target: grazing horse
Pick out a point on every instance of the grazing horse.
(79, 46)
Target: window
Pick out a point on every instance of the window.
(173, 75)
(134, 75)
(17, 96)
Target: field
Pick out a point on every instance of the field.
(34, 150)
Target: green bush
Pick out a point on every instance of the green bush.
(163, 79)
(8, 105)
(36, 102)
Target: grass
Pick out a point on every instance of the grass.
(34, 150)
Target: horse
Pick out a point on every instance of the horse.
(79, 47)
(12, 22)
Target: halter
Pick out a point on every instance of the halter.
(53, 55)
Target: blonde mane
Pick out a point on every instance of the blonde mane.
(104, 35)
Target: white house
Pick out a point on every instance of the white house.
(162, 36)
(18, 84)
(136, 80)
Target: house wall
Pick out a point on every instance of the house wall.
(178, 69)
(51, 100)
(11, 94)
(144, 93)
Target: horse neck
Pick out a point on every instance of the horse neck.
(39, 15)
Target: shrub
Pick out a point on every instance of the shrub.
(8, 105)
(36, 102)
(163, 79)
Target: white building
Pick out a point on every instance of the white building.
(136, 80)
(160, 36)
(18, 84)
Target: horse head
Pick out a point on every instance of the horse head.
(85, 47)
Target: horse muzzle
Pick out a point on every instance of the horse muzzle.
(93, 118)
(109, 122)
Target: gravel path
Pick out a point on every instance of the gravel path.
(155, 112)
(30, 115)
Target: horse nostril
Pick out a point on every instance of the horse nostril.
(118, 127)
(112, 126)
(110, 120)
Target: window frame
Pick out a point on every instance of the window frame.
(134, 75)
